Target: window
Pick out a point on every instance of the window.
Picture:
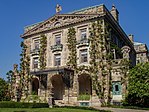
(57, 59)
(83, 34)
(58, 39)
(116, 88)
(36, 44)
(35, 63)
(83, 55)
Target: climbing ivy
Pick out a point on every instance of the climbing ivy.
(100, 55)
(125, 66)
(71, 43)
(42, 52)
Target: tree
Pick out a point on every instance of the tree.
(24, 69)
(138, 86)
(4, 94)
(10, 81)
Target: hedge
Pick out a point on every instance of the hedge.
(79, 107)
(10, 104)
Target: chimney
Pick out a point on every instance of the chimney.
(131, 37)
(115, 13)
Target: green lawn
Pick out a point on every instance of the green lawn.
(45, 110)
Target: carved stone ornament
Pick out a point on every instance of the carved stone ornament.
(125, 51)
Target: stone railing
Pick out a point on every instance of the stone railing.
(84, 42)
(35, 51)
(58, 47)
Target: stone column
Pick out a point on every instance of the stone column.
(30, 87)
(49, 91)
(75, 85)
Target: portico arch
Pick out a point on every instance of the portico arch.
(85, 84)
(35, 85)
(58, 87)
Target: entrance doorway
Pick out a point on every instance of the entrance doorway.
(85, 87)
(58, 87)
(35, 86)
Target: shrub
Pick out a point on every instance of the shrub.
(138, 86)
(22, 105)
(83, 108)
(84, 97)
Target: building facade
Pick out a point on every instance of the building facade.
(65, 83)
(142, 54)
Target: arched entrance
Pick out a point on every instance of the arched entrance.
(35, 86)
(58, 87)
(85, 84)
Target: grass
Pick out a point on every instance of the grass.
(46, 110)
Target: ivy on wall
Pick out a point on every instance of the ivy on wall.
(100, 55)
(71, 43)
(100, 58)
(42, 52)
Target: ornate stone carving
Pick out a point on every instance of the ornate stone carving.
(125, 51)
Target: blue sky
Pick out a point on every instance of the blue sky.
(16, 14)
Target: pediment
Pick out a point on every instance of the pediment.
(57, 21)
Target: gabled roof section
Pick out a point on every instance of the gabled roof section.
(60, 20)
(29, 27)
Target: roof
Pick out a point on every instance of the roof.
(83, 9)
(138, 43)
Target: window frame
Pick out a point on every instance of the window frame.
(57, 61)
(36, 44)
(83, 34)
(35, 63)
(83, 56)
(58, 39)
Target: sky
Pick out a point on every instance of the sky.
(16, 14)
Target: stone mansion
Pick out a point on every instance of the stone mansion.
(70, 38)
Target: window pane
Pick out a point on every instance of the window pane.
(116, 88)
(83, 54)
(57, 60)
(83, 34)
(35, 63)
(58, 39)
(36, 44)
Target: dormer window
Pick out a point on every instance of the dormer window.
(58, 39)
